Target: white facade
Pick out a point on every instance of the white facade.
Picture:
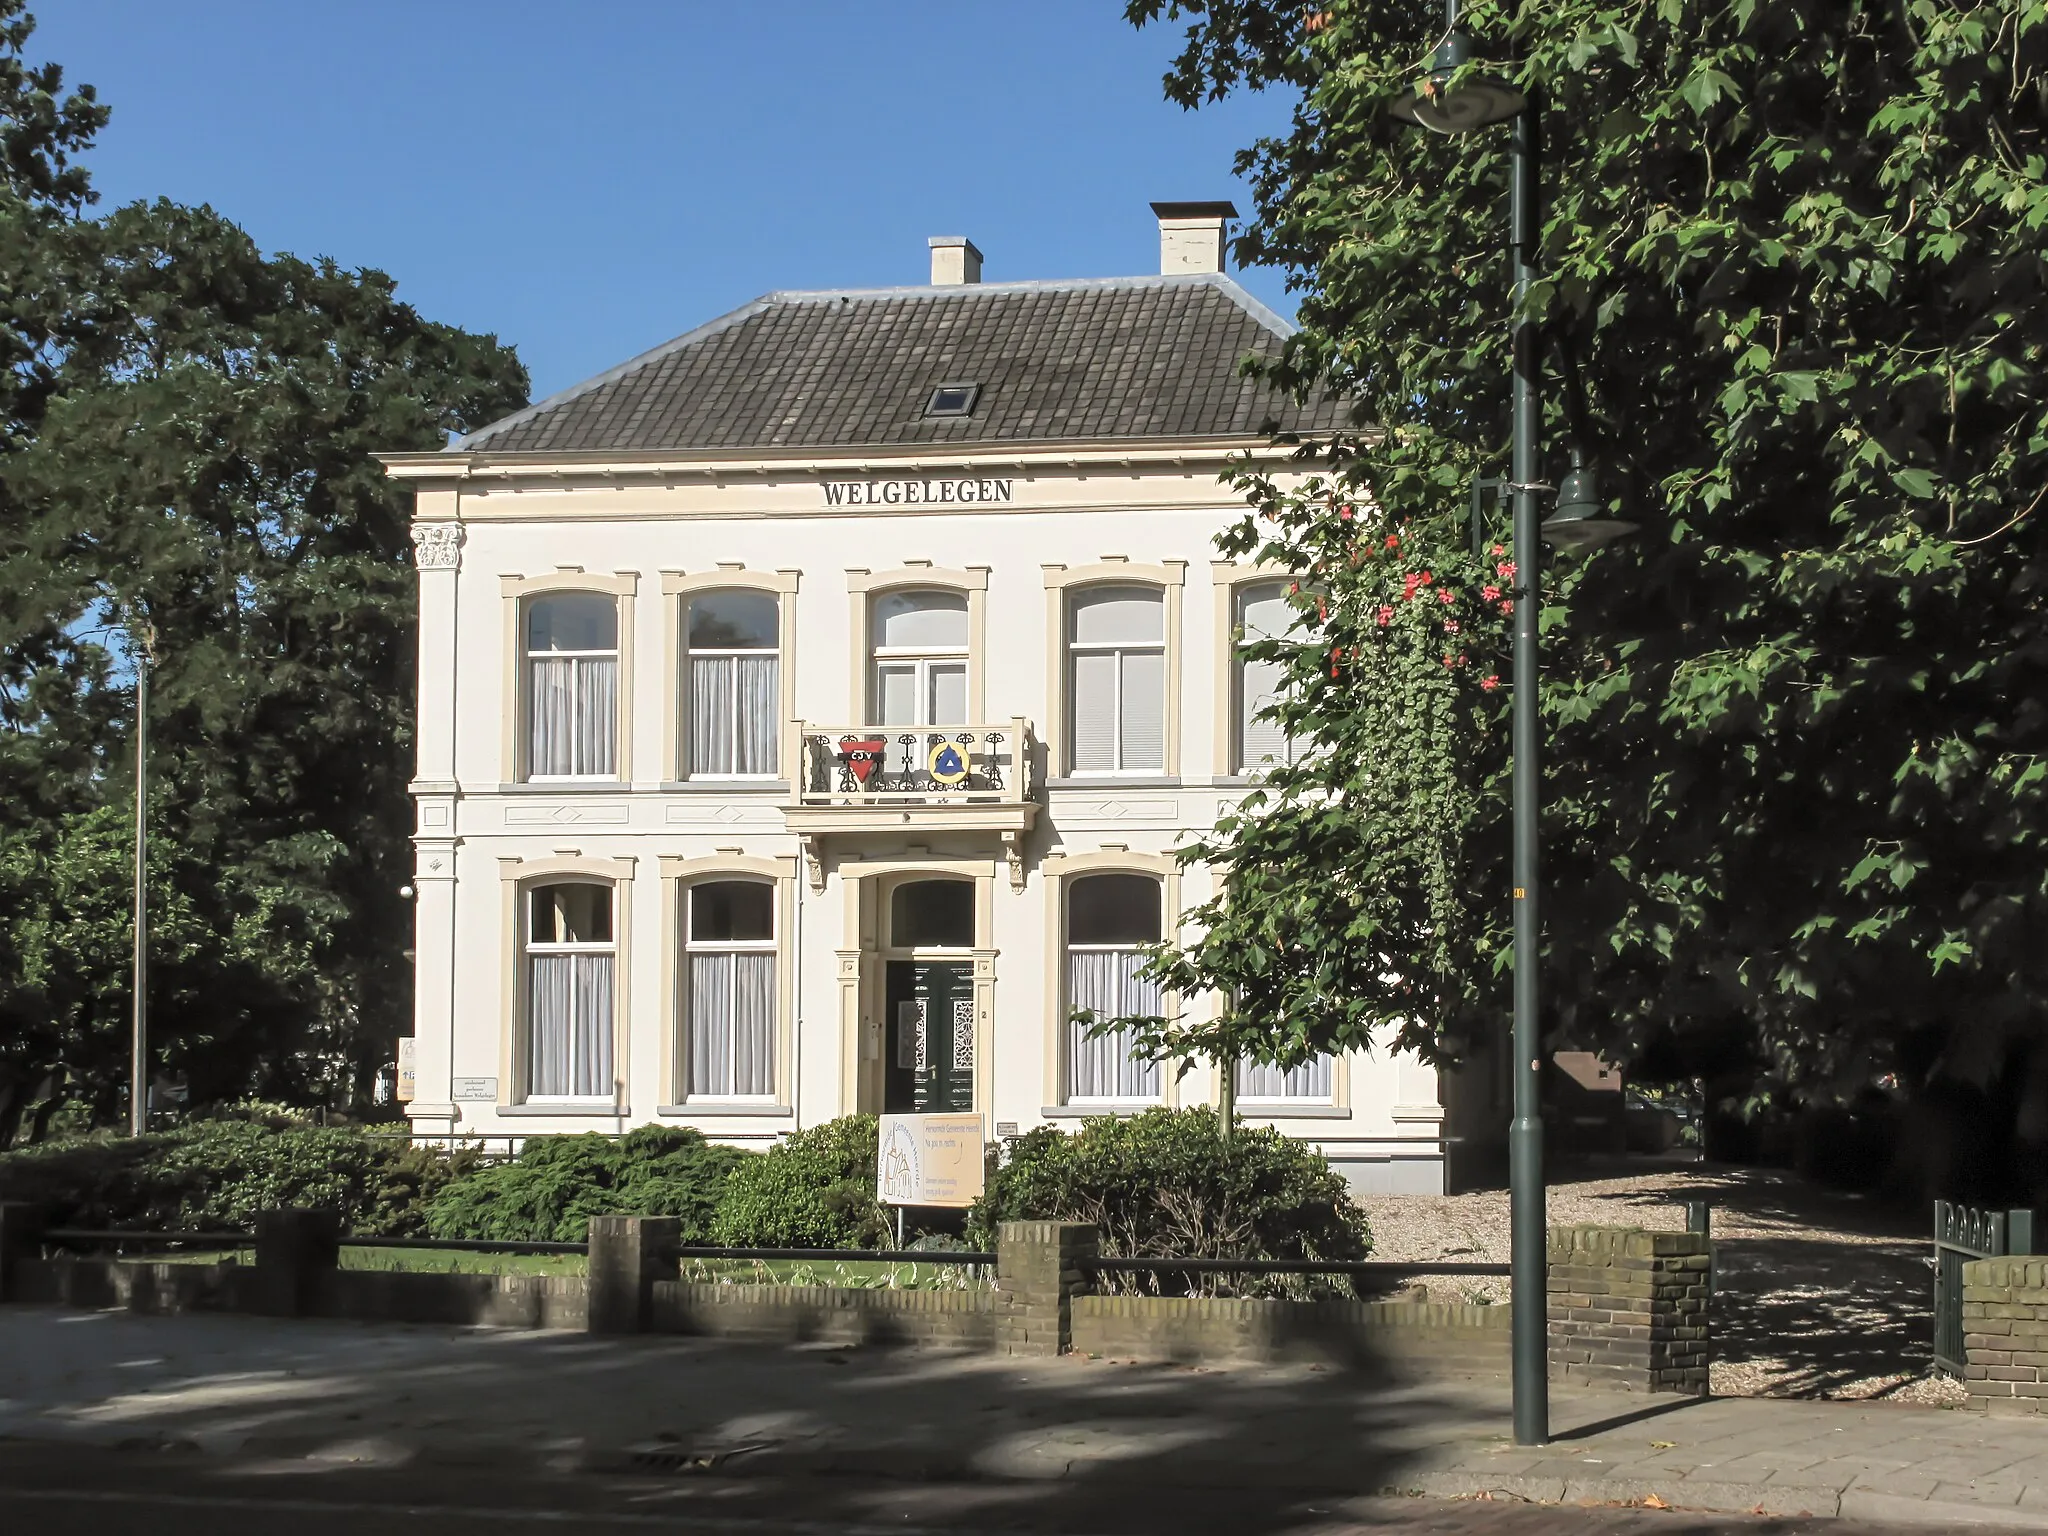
(1065, 599)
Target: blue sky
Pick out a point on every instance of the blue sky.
(589, 180)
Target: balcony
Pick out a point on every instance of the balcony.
(871, 778)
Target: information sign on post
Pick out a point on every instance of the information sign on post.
(929, 1160)
(408, 1076)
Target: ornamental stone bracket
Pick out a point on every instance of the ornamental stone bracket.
(814, 862)
(1013, 854)
(437, 546)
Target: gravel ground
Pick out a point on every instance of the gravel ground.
(1819, 1294)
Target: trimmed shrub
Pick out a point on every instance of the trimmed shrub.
(549, 1192)
(1169, 1184)
(218, 1174)
(815, 1190)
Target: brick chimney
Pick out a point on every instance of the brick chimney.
(1191, 236)
(954, 261)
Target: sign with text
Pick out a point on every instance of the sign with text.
(929, 1160)
(475, 1088)
(408, 1075)
(917, 493)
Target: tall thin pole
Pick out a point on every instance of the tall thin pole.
(1525, 1135)
(138, 1064)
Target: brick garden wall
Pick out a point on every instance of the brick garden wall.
(1629, 1310)
(792, 1314)
(1396, 1338)
(2005, 1334)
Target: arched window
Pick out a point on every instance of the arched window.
(734, 685)
(919, 642)
(1110, 918)
(1116, 680)
(572, 670)
(1263, 613)
(932, 914)
(729, 953)
(571, 954)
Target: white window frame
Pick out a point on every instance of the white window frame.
(531, 950)
(614, 654)
(691, 947)
(1257, 1101)
(1240, 764)
(1062, 887)
(1117, 650)
(517, 593)
(691, 655)
(921, 660)
(1061, 584)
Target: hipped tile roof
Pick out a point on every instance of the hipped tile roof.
(1155, 357)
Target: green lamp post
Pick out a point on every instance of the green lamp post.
(1579, 522)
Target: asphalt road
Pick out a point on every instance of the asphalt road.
(99, 1491)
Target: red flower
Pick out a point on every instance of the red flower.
(1507, 605)
(1506, 569)
(1450, 626)
(1491, 594)
(1498, 551)
(1393, 541)
(1386, 616)
(1446, 596)
(1489, 682)
(1345, 513)
(1448, 662)
(1425, 578)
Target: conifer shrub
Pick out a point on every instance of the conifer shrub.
(549, 1192)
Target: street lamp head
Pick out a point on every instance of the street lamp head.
(1580, 521)
(1478, 103)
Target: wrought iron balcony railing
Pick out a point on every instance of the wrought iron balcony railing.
(869, 766)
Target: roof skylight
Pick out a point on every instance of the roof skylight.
(953, 400)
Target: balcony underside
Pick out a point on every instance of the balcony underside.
(1009, 820)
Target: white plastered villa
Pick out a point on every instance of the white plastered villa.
(809, 708)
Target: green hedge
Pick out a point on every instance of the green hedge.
(1169, 1184)
(815, 1190)
(549, 1192)
(218, 1174)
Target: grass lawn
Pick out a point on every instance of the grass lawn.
(416, 1260)
(855, 1274)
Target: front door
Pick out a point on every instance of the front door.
(928, 1066)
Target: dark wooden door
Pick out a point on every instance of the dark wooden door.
(928, 1067)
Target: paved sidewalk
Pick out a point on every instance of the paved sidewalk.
(342, 1394)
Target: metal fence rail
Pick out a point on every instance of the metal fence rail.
(842, 1255)
(1963, 1233)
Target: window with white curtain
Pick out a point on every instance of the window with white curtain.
(571, 961)
(1116, 680)
(1309, 1083)
(572, 670)
(1263, 613)
(729, 1003)
(733, 684)
(1110, 920)
(919, 641)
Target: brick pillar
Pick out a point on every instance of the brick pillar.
(1037, 1273)
(21, 1231)
(1629, 1309)
(2005, 1334)
(293, 1249)
(627, 1255)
